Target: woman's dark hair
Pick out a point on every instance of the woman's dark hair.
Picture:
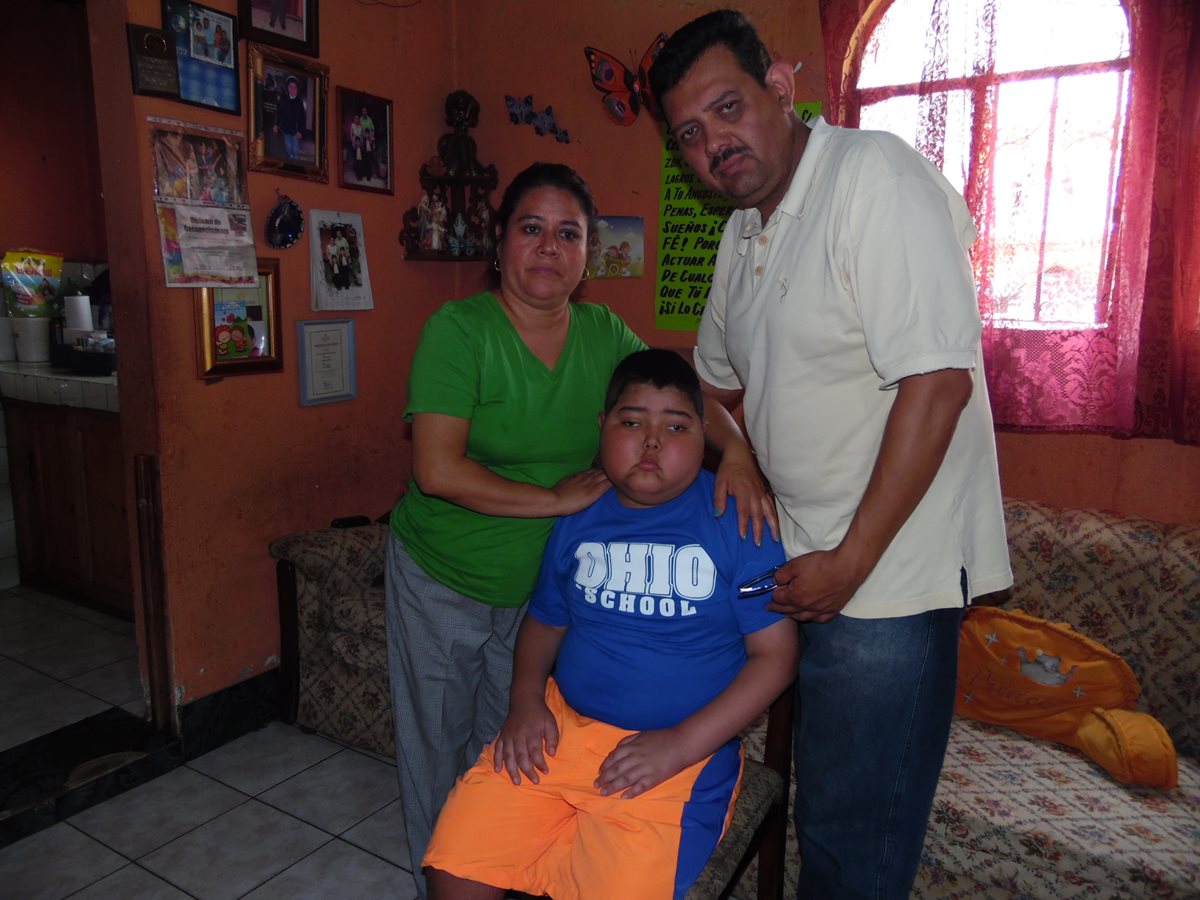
(539, 175)
(661, 368)
(693, 40)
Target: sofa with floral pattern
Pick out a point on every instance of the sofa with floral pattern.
(1017, 816)
(1013, 816)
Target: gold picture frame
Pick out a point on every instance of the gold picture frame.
(238, 329)
(287, 126)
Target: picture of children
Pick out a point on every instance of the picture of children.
(340, 253)
(365, 140)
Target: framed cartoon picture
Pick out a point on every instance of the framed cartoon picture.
(287, 24)
(237, 329)
(364, 141)
(205, 44)
(287, 114)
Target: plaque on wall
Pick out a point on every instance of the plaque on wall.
(152, 62)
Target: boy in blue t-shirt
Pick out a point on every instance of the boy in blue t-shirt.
(635, 669)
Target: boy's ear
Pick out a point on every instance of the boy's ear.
(600, 419)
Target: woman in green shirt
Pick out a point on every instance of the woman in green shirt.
(503, 397)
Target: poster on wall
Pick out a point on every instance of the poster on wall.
(691, 219)
(616, 248)
(340, 279)
(202, 207)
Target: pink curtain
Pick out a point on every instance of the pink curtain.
(1140, 372)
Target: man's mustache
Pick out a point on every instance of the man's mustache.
(724, 155)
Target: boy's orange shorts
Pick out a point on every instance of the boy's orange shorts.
(562, 838)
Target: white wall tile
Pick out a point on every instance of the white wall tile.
(10, 572)
(70, 391)
(95, 396)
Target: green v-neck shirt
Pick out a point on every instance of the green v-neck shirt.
(528, 423)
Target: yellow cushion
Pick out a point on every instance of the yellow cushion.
(1132, 746)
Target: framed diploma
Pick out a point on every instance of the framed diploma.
(327, 364)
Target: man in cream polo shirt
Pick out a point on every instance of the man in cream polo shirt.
(843, 315)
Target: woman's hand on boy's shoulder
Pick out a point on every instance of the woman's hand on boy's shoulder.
(528, 736)
(641, 761)
(579, 491)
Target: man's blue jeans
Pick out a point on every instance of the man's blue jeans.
(872, 720)
(291, 144)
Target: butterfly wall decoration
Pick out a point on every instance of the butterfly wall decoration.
(521, 112)
(626, 93)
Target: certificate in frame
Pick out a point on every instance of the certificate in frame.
(327, 361)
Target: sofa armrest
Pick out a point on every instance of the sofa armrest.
(313, 568)
(335, 560)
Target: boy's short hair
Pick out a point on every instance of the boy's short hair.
(689, 43)
(661, 368)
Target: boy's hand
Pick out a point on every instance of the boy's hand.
(639, 762)
(519, 744)
(581, 490)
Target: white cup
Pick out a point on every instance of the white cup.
(31, 337)
(78, 309)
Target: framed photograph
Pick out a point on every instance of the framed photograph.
(287, 114)
(237, 329)
(364, 141)
(327, 365)
(205, 42)
(287, 24)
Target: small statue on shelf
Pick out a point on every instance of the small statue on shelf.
(453, 218)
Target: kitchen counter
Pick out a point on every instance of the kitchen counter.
(44, 383)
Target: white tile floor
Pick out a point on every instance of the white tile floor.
(61, 662)
(275, 814)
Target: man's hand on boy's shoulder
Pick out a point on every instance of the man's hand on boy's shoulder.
(641, 761)
(738, 477)
(519, 745)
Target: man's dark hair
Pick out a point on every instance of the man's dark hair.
(661, 368)
(689, 43)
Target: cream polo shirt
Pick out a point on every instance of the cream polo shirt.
(859, 279)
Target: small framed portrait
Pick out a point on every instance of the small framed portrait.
(364, 141)
(205, 44)
(286, 24)
(287, 114)
(237, 329)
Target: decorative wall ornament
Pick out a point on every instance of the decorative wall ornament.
(453, 220)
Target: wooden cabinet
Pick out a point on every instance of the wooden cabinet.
(68, 485)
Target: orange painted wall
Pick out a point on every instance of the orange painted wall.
(1157, 479)
(536, 47)
(241, 462)
(51, 196)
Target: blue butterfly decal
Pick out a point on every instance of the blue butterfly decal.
(521, 112)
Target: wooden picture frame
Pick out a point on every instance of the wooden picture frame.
(205, 43)
(288, 96)
(238, 329)
(287, 24)
(364, 160)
